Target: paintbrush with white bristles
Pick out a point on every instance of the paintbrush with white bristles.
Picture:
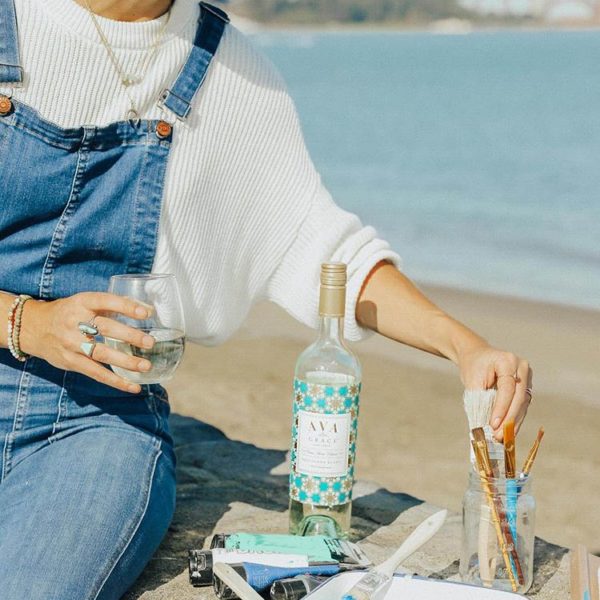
(478, 407)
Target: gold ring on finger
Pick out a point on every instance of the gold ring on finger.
(514, 376)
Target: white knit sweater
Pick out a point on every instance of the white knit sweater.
(245, 216)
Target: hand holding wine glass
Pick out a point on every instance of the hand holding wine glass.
(165, 323)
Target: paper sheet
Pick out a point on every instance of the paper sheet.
(412, 588)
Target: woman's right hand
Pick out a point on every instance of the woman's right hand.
(49, 330)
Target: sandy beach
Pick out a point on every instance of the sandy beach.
(413, 431)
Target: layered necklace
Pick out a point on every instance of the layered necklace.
(128, 80)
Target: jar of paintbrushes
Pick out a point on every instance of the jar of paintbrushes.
(498, 516)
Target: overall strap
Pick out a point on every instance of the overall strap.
(211, 26)
(10, 64)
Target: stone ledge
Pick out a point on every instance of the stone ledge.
(224, 485)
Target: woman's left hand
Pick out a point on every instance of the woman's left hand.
(485, 367)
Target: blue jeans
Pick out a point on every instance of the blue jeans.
(88, 484)
(87, 474)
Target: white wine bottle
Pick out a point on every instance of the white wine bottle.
(325, 419)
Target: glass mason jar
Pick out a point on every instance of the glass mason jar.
(484, 561)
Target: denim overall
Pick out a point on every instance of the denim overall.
(87, 473)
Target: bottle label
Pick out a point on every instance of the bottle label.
(324, 442)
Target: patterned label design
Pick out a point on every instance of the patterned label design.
(324, 442)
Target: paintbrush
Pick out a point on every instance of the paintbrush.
(375, 584)
(532, 453)
(494, 513)
(478, 405)
(505, 538)
(510, 461)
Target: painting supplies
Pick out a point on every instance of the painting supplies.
(295, 588)
(532, 453)
(509, 449)
(585, 574)
(504, 535)
(201, 562)
(510, 462)
(227, 575)
(261, 577)
(478, 405)
(316, 548)
(375, 584)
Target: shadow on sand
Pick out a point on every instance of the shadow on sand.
(214, 471)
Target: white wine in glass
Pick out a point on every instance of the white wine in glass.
(165, 324)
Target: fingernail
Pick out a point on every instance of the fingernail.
(134, 389)
(145, 365)
(140, 311)
(148, 341)
(496, 423)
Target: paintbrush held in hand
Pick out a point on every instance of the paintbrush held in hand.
(478, 406)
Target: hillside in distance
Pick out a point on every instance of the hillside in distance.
(402, 12)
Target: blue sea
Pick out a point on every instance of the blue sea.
(477, 156)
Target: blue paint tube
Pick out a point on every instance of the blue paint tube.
(261, 577)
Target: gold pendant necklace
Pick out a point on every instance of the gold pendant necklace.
(129, 80)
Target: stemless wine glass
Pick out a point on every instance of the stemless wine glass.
(165, 324)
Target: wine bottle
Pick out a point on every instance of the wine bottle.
(325, 417)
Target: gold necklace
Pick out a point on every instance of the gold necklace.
(128, 80)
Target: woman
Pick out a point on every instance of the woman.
(141, 136)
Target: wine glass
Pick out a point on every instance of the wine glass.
(160, 293)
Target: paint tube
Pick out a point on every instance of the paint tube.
(317, 548)
(261, 577)
(201, 562)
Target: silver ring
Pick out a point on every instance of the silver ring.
(88, 348)
(530, 392)
(88, 329)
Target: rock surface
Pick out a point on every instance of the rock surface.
(227, 486)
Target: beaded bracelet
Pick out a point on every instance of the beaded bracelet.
(14, 327)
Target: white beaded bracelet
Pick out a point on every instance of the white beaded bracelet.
(14, 327)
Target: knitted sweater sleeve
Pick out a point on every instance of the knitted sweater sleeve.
(322, 232)
(327, 233)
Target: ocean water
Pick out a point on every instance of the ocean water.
(477, 156)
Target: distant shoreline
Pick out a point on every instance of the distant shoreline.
(442, 27)
(373, 28)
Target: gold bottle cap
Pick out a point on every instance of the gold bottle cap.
(333, 290)
(334, 274)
